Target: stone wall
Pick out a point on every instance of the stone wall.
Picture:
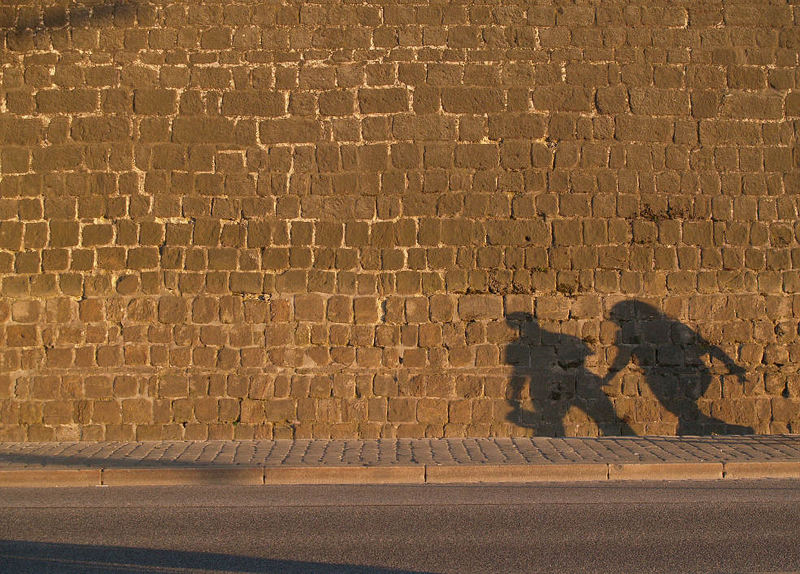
(247, 219)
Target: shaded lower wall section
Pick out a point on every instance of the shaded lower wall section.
(474, 365)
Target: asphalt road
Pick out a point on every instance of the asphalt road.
(720, 526)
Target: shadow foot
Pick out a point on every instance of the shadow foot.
(709, 426)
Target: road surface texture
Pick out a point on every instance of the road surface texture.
(708, 526)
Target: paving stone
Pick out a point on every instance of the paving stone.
(382, 452)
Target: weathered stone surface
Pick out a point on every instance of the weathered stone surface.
(383, 221)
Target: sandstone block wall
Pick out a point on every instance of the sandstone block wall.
(249, 218)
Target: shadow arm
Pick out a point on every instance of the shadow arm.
(620, 362)
(717, 353)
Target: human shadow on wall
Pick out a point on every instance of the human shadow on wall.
(549, 375)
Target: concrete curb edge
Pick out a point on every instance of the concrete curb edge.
(399, 474)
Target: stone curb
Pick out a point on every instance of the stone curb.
(345, 475)
(516, 473)
(774, 469)
(39, 477)
(182, 476)
(666, 471)
(399, 474)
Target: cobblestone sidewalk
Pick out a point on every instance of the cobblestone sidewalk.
(388, 452)
(402, 460)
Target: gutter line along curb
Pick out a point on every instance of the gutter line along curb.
(397, 474)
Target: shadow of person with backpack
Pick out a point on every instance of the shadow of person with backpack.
(549, 377)
(670, 355)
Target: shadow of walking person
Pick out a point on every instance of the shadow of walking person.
(670, 356)
(549, 377)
